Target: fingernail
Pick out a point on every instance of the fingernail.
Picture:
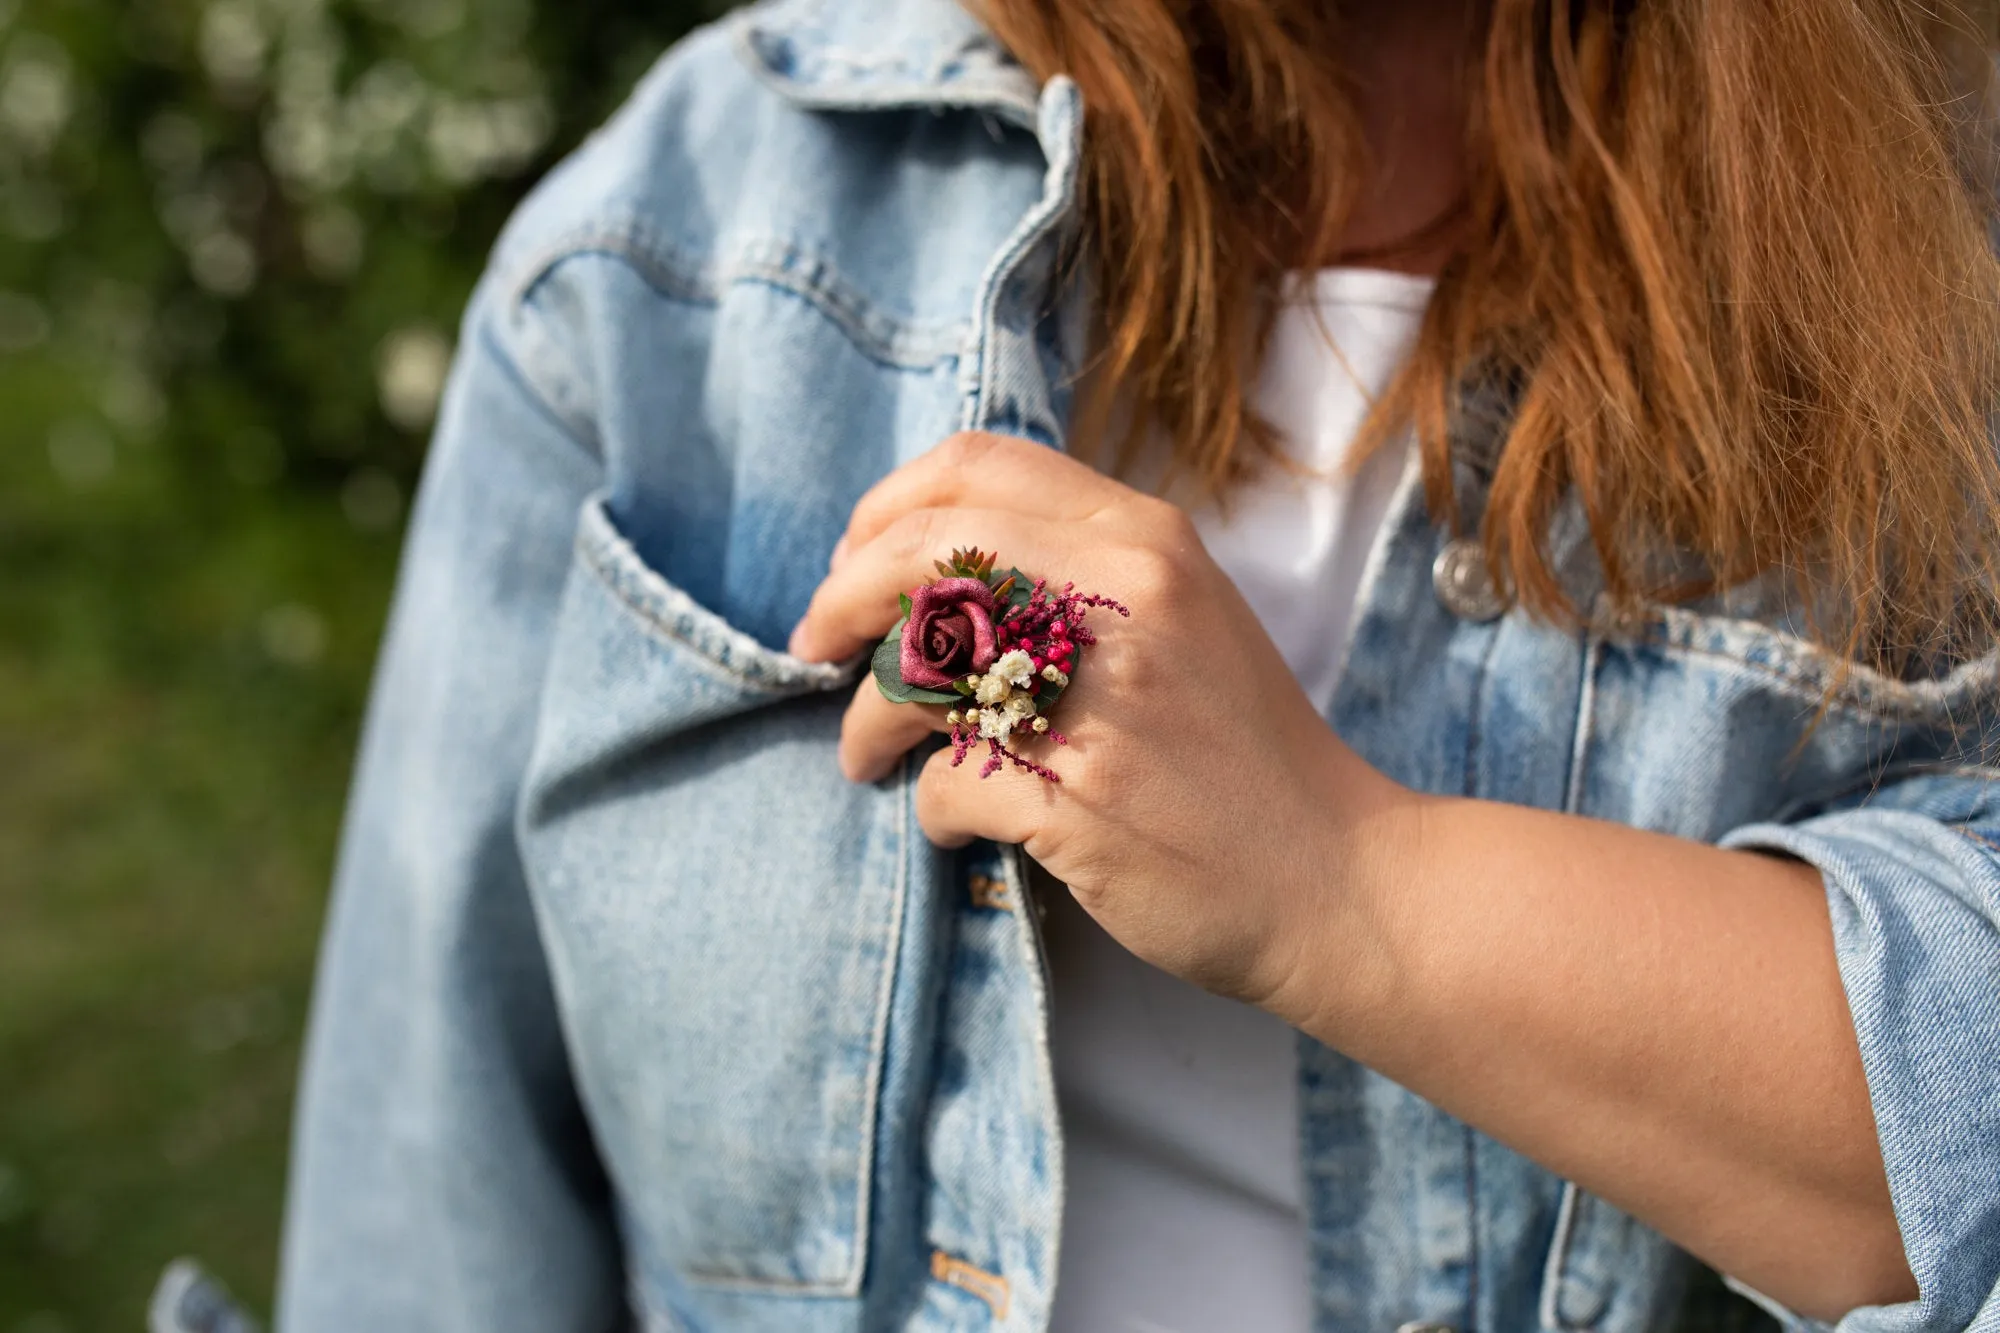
(797, 643)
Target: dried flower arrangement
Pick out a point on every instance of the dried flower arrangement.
(1003, 646)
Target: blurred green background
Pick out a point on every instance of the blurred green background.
(234, 239)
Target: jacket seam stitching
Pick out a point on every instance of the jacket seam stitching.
(1884, 700)
(599, 557)
(878, 1046)
(675, 273)
(1988, 843)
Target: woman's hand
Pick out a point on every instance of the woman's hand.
(1658, 1020)
(1206, 812)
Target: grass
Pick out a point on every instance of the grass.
(181, 671)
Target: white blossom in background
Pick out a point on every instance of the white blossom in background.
(223, 262)
(37, 92)
(132, 401)
(426, 18)
(293, 634)
(234, 43)
(410, 373)
(470, 141)
(303, 139)
(393, 127)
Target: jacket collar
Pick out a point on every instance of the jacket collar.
(862, 55)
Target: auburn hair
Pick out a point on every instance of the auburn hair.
(1732, 256)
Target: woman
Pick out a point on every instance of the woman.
(1641, 898)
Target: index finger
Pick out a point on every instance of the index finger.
(856, 603)
(975, 468)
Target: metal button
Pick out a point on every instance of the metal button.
(1463, 585)
(1424, 1326)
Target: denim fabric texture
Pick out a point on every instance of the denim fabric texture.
(633, 1013)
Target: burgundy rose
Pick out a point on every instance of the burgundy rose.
(949, 634)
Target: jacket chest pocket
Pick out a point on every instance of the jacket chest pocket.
(721, 912)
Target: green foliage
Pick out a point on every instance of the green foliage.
(246, 227)
(235, 236)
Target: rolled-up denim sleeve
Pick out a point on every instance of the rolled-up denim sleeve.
(1912, 873)
(443, 1174)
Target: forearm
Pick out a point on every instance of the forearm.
(1658, 1020)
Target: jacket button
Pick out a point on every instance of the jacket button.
(1463, 585)
(1424, 1326)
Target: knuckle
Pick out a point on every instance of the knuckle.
(1163, 523)
(871, 512)
(1151, 573)
(913, 533)
(967, 448)
(1175, 527)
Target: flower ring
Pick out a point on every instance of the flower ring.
(998, 642)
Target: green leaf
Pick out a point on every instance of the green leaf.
(887, 665)
(903, 599)
(1023, 586)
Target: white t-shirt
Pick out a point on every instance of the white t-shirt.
(1183, 1209)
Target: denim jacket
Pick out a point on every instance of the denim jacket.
(633, 1012)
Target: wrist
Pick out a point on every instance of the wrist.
(1339, 962)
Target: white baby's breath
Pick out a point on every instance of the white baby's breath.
(1016, 668)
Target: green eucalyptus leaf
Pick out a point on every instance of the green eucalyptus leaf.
(1023, 586)
(904, 599)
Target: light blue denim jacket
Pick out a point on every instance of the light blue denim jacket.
(633, 1012)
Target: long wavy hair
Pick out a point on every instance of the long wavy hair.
(1734, 255)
